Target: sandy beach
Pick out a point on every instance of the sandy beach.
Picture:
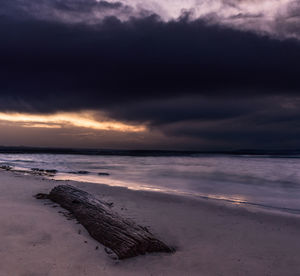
(211, 238)
(176, 125)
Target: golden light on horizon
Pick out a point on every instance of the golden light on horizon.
(64, 119)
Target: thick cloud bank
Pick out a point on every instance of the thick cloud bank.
(180, 73)
(278, 18)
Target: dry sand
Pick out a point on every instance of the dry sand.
(211, 238)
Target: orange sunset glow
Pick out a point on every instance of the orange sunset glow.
(64, 119)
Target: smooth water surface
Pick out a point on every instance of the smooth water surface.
(264, 181)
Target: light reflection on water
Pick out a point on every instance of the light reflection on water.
(264, 181)
(138, 186)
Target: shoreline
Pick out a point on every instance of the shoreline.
(228, 202)
(210, 238)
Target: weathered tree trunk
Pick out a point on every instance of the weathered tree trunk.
(124, 237)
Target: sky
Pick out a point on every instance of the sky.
(160, 74)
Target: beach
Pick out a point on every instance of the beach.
(210, 237)
(149, 138)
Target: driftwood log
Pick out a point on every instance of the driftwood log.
(124, 237)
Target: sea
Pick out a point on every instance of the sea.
(264, 181)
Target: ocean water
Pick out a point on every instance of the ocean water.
(263, 181)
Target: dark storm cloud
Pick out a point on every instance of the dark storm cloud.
(85, 6)
(69, 11)
(239, 134)
(93, 67)
(167, 111)
(272, 122)
(184, 78)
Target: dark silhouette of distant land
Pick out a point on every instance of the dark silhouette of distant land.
(48, 150)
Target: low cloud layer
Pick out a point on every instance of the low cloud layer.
(192, 72)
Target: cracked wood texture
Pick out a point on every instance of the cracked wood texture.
(123, 236)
